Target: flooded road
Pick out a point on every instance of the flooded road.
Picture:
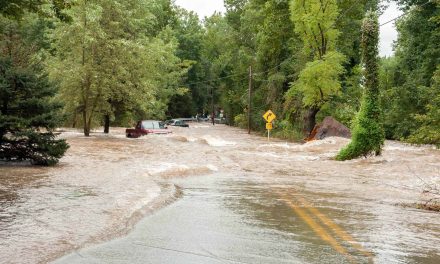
(218, 195)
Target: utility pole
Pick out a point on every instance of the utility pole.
(212, 105)
(249, 99)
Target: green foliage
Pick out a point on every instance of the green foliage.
(240, 120)
(26, 103)
(428, 131)
(259, 33)
(286, 130)
(18, 9)
(314, 21)
(189, 33)
(407, 78)
(120, 61)
(40, 148)
(276, 41)
(367, 135)
(319, 80)
(116, 57)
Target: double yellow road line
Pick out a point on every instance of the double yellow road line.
(306, 211)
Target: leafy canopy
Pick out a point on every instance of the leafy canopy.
(319, 80)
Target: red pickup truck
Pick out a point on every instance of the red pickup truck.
(147, 127)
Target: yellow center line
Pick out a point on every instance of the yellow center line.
(318, 229)
(335, 228)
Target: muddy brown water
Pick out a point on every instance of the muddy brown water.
(276, 202)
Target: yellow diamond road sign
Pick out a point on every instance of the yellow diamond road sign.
(269, 116)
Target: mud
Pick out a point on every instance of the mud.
(105, 184)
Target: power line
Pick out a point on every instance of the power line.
(405, 13)
(394, 19)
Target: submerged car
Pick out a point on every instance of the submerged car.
(178, 122)
(147, 127)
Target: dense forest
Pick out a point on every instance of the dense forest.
(112, 62)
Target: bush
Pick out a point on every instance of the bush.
(285, 130)
(240, 120)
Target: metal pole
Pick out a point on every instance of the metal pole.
(249, 99)
(212, 104)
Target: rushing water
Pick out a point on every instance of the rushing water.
(105, 184)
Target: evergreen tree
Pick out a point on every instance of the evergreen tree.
(27, 107)
(368, 133)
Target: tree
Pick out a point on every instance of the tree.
(135, 45)
(314, 21)
(76, 66)
(114, 60)
(27, 107)
(346, 104)
(410, 83)
(276, 41)
(189, 33)
(428, 131)
(218, 55)
(18, 8)
(368, 134)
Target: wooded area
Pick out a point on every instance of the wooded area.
(112, 62)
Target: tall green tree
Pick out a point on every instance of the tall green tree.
(28, 111)
(218, 56)
(275, 44)
(76, 65)
(410, 85)
(368, 134)
(314, 22)
(115, 60)
(189, 33)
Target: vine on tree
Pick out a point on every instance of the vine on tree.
(368, 133)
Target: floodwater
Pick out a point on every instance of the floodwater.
(217, 195)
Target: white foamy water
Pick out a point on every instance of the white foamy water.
(199, 126)
(217, 141)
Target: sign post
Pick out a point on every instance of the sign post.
(269, 116)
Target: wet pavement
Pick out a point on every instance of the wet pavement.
(217, 195)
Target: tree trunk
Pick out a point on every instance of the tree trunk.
(310, 120)
(106, 124)
(74, 121)
(86, 125)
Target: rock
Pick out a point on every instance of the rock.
(329, 127)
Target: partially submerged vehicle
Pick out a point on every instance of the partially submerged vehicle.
(178, 122)
(146, 127)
